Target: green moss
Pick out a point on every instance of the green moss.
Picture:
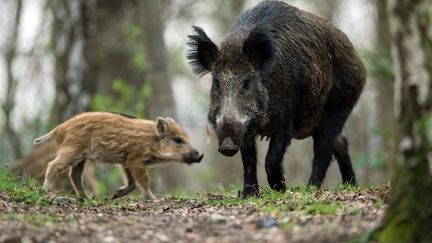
(398, 230)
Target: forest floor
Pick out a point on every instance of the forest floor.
(301, 214)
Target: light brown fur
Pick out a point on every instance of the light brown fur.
(35, 163)
(116, 139)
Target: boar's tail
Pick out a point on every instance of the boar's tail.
(44, 137)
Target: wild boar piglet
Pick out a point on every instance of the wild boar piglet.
(116, 139)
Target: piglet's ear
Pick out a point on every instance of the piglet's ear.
(203, 53)
(259, 49)
(161, 126)
(171, 121)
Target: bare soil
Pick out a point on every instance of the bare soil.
(206, 218)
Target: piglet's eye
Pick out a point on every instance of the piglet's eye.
(178, 140)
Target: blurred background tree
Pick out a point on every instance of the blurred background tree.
(60, 58)
(408, 218)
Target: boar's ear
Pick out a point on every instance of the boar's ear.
(161, 126)
(259, 49)
(203, 53)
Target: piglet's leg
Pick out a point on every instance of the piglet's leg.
(75, 174)
(129, 187)
(140, 174)
(65, 159)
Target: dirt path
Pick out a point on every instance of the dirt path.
(337, 217)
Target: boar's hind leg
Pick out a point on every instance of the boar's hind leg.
(273, 161)
(130, 185)
(75, 175)
(325, 137)
(340, 151)
(250, 185)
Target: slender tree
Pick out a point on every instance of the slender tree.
(11, 81)
(409, 217)
(152, 20)
(384, 82)
(69, 42)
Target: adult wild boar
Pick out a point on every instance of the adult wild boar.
(281, 73)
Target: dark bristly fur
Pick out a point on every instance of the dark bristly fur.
(202, 50)
(281, 73)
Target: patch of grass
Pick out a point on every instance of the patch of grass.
(26, 190)
(20, 189)
(295, 199)
(105, 202)
(323, 207)
(346, 187)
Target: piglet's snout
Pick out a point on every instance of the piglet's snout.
(194, 157)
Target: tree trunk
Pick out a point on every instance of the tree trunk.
(11, 82)
(115, 50)
(161, 101)
(385, 85)
(408, 218)
(69, 43)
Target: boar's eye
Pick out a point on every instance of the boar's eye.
(246, 85)
(216, 83)
(178, 140)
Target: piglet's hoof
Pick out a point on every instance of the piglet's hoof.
(150, 197)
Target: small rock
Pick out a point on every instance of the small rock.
(162, 237)
(217, 218)
(266, 223)
(109, 239)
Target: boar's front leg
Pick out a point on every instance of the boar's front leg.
(250, 185)
(273, 162)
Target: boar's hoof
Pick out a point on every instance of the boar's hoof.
(228, 148)
(249, 191)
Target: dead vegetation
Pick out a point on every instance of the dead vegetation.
(298, 215)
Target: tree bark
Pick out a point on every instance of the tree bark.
(11, 82)
(385, 85)
(113, 47)
(161, 101)
(408, 218)
(69, 43)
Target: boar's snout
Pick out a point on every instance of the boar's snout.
(230, 137)
(227, 147)
(193, 157)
